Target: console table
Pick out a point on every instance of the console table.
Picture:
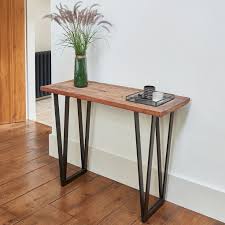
(114, 95)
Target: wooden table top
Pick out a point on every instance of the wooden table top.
(114, 95)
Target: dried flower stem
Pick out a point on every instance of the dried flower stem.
(81, 26)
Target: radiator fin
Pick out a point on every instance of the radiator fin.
(42, 71)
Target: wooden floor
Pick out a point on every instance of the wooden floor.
(30, 192)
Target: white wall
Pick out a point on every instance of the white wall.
(42, 26)
(179, 47)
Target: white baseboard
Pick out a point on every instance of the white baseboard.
(193, 196)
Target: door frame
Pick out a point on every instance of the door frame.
(30, 63)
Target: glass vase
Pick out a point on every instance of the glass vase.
(80, 72)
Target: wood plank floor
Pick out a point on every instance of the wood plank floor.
(30, 193)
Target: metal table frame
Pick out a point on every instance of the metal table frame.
(146, 210)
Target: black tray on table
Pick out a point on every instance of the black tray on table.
(141, 98)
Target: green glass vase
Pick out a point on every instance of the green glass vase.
(80, 72)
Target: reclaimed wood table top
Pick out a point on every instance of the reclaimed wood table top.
(114, 95)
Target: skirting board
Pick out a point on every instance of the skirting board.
(193, 196)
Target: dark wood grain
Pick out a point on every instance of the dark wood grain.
(29, 203)
(34, 195)
(46, 216)
(114, 95)
(7, 218)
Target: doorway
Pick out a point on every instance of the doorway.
(39, 61)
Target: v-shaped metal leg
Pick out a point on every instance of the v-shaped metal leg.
(146, 211)
(63, 149)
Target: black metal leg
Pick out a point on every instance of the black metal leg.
(81, 132)
(159, 160)
(87, 132)
(149, 168)
(168, 153)
(65, 139)
(84, 143)
(139, 159)
(147, 212)
(59, 138)
(63, 150)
